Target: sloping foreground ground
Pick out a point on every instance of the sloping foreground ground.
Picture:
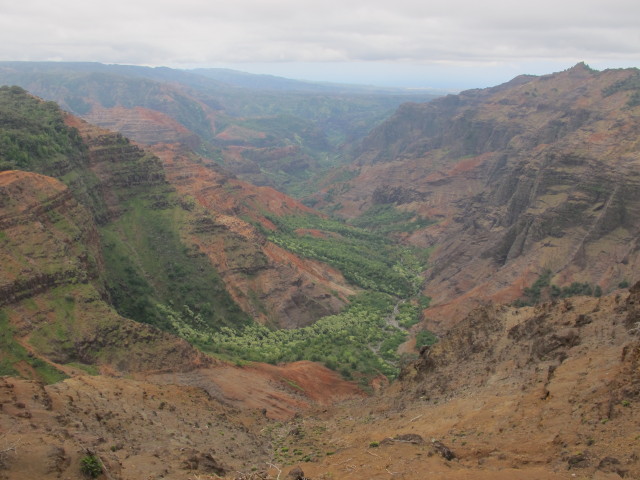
(138, 430)
(55, 323)
(550, 392)
(547, 392)
(279, 391)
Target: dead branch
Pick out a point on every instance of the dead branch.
(279, 470)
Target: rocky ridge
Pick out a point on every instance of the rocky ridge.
(529, 393)
(538, 173)
(51, 295)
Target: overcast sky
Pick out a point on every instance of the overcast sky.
(416, 43)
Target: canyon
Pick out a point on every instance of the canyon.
(508, 219)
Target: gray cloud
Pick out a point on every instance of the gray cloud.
(204, 32)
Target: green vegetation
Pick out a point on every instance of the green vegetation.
(146, 261)
(425, 338)
(90, 466)
(386, 218)
(631, 83)
(148, 265)
(287, 129)
(365, 259)
(34, 137)
(32, 132)
(424, 301)
(362, 341)
(348, 342)
(408, 315)
(543, 289)
(90, 369)
(12, 354)
(533, 293)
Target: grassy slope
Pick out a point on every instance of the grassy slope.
(147, 262)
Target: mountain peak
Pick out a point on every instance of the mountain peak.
(581, 67)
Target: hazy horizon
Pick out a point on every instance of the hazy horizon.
(452, 44)
(408, 76)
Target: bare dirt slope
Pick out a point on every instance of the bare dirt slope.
(138, 430)
(278, 391)
(197, 424)
(547, 392)
(536, 393)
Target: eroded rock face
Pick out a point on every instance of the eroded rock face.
(541, 172)
(633, 308)
(142, 125)
(522, 344)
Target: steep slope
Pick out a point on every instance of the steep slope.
(201, 424)
(549, 392)
(52, 304)
(135, 430)
(539, 173)
(172, 258)
(34, 259)
(273, 285)
(137, 212)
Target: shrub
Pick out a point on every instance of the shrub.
(90, 466)
(425, 337)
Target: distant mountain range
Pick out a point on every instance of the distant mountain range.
(268, 130)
